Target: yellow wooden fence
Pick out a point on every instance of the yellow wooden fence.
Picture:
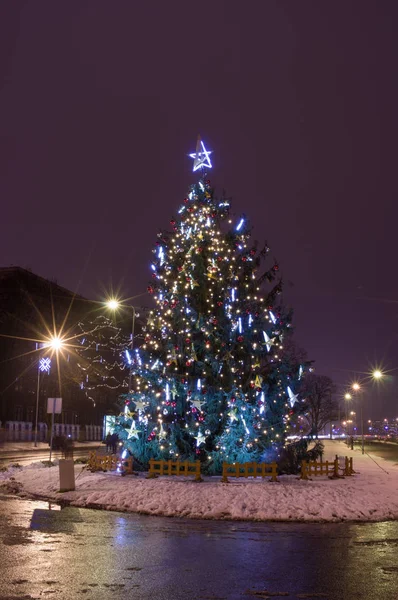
(110, 462)
(101, 462)
(169, 467)
(331, 469)
(250, 469)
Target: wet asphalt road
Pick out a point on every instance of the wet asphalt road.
(79, 553)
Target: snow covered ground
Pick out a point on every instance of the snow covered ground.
(371, 495)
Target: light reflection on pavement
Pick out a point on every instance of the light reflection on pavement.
(76, 553)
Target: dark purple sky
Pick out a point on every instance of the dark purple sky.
(100, 102)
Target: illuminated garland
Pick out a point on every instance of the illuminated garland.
(100, 352)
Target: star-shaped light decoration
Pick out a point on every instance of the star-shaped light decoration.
(173, 357)
(133, 433)
(293, 398)
(258, 381)
(227, 357)
(193, 353)
(127, 413)
(232, 415)
(198, 404)
(269, 342)
(162, 435)
(200, 438)
(140, 405)
(201, 158)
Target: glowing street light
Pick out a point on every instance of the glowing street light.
(356, 387)
(112, 304)
(377, 374)
(55, 343)
(347, 396)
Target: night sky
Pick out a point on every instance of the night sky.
(101, 102)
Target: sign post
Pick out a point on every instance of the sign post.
(54, 406)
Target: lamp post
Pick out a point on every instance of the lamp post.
(44, 366)
(377, 376)
(55, 344)
(114, 304)
(357, 388)
(347, 398)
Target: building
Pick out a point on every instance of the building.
(32, 309)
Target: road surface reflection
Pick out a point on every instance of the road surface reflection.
(75, 553)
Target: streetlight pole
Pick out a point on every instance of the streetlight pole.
(363, 440)
(37, 403)
(114, 304)
(44, 365)
(357, 388)
(55, 344)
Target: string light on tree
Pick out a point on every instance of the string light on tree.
(211, 374)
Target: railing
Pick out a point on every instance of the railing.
(250, 469)
(92, 433)
(331, 469)
(169, 467)
(70, 431)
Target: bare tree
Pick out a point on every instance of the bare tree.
(320, 408)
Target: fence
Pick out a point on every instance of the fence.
(169, 467)
(329, 468)
(23, 431)
(93, 433)
(70, 431)
(250, 469)
(19, 431)
(110, 462)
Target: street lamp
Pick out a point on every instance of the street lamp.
(357, 388)
(44, 366)
(347, 398)
(377, 374)
(114, 304)
(55, 343)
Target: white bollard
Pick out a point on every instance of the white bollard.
(66, 475)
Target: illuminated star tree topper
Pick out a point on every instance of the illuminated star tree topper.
(201, 156)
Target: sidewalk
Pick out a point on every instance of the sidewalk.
(30, 447)
(367, 463)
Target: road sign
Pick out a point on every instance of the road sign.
(54, 405)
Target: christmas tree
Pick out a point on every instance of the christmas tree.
(210, 381)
